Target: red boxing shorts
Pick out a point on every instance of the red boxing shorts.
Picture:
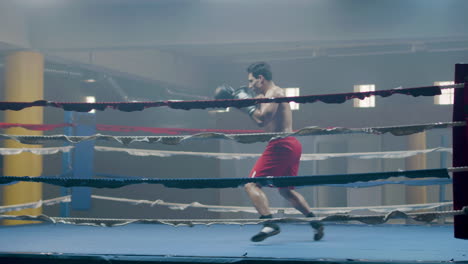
(280, 158)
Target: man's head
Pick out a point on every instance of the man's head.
(258, 74)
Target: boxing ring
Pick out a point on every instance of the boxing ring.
(379, 235)
(140, 243)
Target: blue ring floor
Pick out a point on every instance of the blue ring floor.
(345, 243)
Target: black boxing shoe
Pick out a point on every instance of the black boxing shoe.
(268, 230)
(317, 226)
(319, 229)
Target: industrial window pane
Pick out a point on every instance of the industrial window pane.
(292, 92)
(368, 101)
(447, 96)
(91, 99)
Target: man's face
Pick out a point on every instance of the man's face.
(254, 84)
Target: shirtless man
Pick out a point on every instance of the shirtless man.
(281, 156)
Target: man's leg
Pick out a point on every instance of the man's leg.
(297, 201)
(258, 197)
(260, 202)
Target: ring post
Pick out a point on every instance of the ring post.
(460, 151)
(66, 164)
(24, 82)
(83, 159)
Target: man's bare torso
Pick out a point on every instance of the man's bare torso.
(282, 119)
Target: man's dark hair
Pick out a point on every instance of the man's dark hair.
(260, 68)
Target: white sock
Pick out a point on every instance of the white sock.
(267, 229)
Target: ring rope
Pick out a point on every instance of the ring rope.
(304, 157)
(226, 156)
(241, 138)
(283, 210)
(359, 184)
(154, 130)
(37, 151)
(239, 103)
(38, 204)
(196, 183)
(231, 209)
(426, 217)
(452, 211)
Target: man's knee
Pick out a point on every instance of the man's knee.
(251, 186)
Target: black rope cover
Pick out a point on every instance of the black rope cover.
(194, 183)
(203, 104)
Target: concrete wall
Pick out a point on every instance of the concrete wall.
(87, 24)
(150, 64)
(14, 30)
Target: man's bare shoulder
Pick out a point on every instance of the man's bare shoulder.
(276, 91)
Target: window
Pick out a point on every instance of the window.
(91, 99)
(447, 96)
(290, 92)
(368, 101)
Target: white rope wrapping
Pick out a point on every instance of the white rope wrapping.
(236, 209)
(282, 210)
(457, 169)
(241, 138)
(449, 86)
(37, 151)
(367, 219)
(226, 156)
(304, 157)
(18, 207)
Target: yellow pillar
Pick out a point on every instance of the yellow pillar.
(416, 194)
(24, 82)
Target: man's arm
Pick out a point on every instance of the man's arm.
(265, 112)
